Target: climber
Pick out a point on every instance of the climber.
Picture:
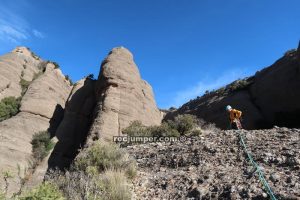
(234, 117)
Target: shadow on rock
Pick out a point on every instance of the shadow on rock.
(73, 129)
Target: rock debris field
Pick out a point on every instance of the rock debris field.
(214, 166)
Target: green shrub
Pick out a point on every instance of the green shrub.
(99, 172)
(103, 156)
(2, 196)
(290, 52)
(239, 85)
(9, 107)
(56, 65)
(90, 76)
(111, 185)
(34, 55)
(24, 85)
(136, 128)
(195, 132)
(68, 79)
(45, 191)
(221, 91)
(164, 130)
(181, 125)
(184, 123)
(41, 145)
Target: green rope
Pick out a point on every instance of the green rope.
(258, 170)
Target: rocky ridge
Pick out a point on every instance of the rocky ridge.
(268, 98)
(214, 166)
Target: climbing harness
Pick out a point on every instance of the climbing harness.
(258, 169)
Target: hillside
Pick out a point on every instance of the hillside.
(270, 97)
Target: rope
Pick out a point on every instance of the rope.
(258, 169)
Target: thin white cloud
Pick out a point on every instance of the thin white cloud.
(199, 89)
(12, 33)
(38, 34)
(14, 28)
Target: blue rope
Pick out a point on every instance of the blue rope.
(258, 170)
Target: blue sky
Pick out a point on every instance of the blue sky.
(182, 47)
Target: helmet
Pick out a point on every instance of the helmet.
(228, 108)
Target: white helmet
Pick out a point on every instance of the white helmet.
(228, 107)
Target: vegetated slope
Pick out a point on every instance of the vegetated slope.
(270, 97)
(214, 166)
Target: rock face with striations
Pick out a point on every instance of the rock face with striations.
(100, 109)
(41, 106)
(270, 97)
(19, 64)
(122, 97)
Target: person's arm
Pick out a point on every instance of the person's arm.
(238, 113)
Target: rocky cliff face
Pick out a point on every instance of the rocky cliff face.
(41, 105)
(122, 97)
(268, 98)
(18, 64)
(73, 130)
(214, 166)
(100, 109)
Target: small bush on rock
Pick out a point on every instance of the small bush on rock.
(69, 79)
(102, 156)
(44, 191)
(196, 132)
(164, 130)
(2, 196)
(136, 128)
(24, 85)
(56, 65)
(184, 123)
(110, 185)
(41, 145)
(181, 125)
(239, 85)
(9, 107)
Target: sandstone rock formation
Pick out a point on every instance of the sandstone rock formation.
(73, 129)
(270, 97)
(102, 108)
(41, 107)
(20, 63)
(214, 166)
(122, 97)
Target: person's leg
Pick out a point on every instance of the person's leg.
(234, 126)
(239, 124)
